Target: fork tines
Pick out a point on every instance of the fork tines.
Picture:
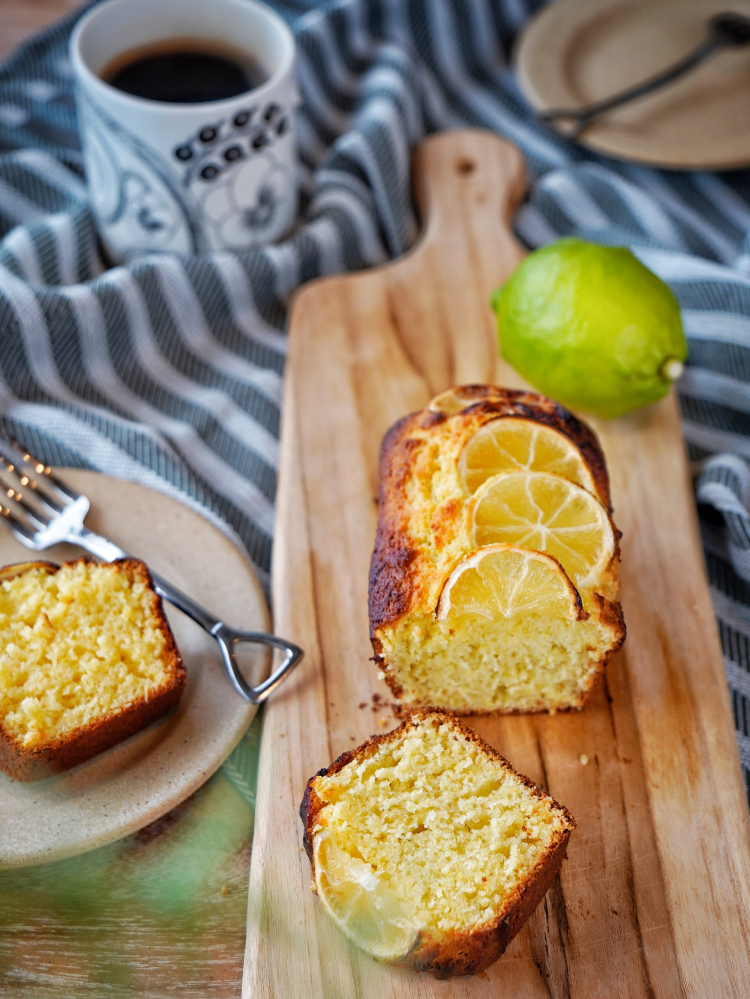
(29, 485)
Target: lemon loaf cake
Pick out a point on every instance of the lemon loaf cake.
(493, 582)
(428, 850)
(87, 658)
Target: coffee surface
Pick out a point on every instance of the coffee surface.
(179, 73)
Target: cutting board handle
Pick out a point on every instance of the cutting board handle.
(473, 170)
(467, 185)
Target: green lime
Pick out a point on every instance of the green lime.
(591, 326)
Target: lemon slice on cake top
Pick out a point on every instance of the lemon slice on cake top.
(509, 445)
(550, 514)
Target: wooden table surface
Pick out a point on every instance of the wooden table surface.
(21, 18)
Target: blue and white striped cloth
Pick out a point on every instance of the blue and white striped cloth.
(170, 373)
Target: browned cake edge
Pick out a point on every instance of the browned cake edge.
(103, 733)
(465, 952)
(390, 579)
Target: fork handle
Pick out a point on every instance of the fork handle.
(227, 638)
(582, 117)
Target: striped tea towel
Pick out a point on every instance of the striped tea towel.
(170, 373)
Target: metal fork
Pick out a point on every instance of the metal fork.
(42, 511)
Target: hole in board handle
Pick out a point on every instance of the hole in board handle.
(465, 166)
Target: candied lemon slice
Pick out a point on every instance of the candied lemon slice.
(549, 514)
(508, 580)
(364, 907)
(512, 443)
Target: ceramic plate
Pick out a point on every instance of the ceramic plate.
(579, 51)
(139, 780)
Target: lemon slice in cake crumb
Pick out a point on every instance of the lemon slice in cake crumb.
(508, 444)
(366, 910)
(506, 581)
(549, 514)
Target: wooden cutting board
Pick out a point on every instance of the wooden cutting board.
(654, 898)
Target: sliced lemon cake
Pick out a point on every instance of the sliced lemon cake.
(87, 658)
(493, 582)
(428, 850)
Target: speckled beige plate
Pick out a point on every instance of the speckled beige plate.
(134, 783)
(579, 51)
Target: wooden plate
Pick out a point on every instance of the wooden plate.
(141, 779)
(578, 51)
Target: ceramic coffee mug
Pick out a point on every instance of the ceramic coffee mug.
(187, 178)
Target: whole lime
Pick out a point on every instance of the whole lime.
(591, 326)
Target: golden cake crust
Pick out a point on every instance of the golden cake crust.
(412, 555)
(76, 747)
(398, 562)
(459, 952)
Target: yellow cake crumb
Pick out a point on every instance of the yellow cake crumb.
(450, 829)
(77, 645)
(513, 664)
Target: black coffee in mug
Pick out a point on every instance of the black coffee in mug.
(184, 71)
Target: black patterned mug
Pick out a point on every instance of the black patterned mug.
(172, 171)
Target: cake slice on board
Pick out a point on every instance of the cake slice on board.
(428, 850)
(493, 582)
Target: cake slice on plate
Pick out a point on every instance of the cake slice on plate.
(87, 658)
